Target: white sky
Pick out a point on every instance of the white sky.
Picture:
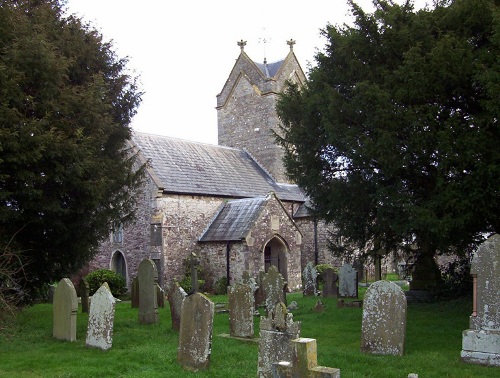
(183, 51)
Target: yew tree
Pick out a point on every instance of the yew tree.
(396, 135)
(66, 174)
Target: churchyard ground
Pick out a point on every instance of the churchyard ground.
(433, 344)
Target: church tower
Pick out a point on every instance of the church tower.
(246, 107)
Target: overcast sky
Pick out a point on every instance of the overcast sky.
(183, 51)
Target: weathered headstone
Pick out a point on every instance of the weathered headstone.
(272, 285)
(304, 363)
(348, 282)
(83, 291)
(319, 306)
(176, 295)
(65, 307)
(241, 309)
(195, 336)
(309, 276)
(481, 342)
(194, 262)
(148, 302)
(101, 319)
(160, 294)
(383, 327)
(276, 334)
(134, 293)
(260, 297)
(330, 279)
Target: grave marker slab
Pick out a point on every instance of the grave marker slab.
(330, 279)
(176, 295)
(83, 290)
(160, 296)
(273, 285)
(309, 275)
(195, 336)
(348, 282)
(383, 328)
(148, 301)
(481, 342)
(101, 319)
(276, 334)
(134, 295)
(241, 309)
(65, 307)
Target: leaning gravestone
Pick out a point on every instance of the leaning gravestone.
(101, 319)
(83, 290)
(241, 309)
(309, 275)
(134, 297)
(330, 279)
(195, 336)
(481, 342)
(348, 282)
(383, 327)
(176, 295)
(65, 307)
(276, 334)
(272, 286)
(148, 302)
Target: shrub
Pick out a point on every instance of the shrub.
(116, 282)
(221, 286)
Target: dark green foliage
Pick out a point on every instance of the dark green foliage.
(320, 268)
(220, 287)
(116, 282)
(395, 137)
(457, 280)
(66, 103)
(186, 283)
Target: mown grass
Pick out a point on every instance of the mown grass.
(433, 344)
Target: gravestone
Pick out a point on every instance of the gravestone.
(260, 297)
(360, 269)
(148, 301)
(319, 307)
(309, 275)
(134, 295)
(195, 336)
(276, 334)
(101, 319)
(481, 342)
(348, 282)
(65, 307)
(383, 327)
(330, 279)
(176, 295)
(160, 294)
(272, 286)
(241, 309)
(83, 290)
(304, 362)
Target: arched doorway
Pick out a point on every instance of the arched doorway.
(118, 264)
(275, 253)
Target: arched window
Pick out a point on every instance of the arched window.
(118, 264)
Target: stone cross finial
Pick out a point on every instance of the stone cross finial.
(290, 43)
(195, 261)
(242, 44)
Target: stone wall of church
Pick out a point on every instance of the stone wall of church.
(134, 243)
(325, 256)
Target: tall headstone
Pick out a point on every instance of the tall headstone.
(101, 319)
(383, 326)
(148, 302)
(260, 297)
(134, 297)
(481, 342)
(277, 331)
(330, 279)
(176, 295)
(241, 308)
(272, 285)
(309, 276)
(65, 307)
(348, 282)
(195, 336)
(83, 291)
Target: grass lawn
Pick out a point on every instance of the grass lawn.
(433, 344)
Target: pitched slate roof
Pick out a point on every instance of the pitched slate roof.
(270, 69)
(234, 220)
(195, 168)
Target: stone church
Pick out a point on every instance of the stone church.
(229, 203)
